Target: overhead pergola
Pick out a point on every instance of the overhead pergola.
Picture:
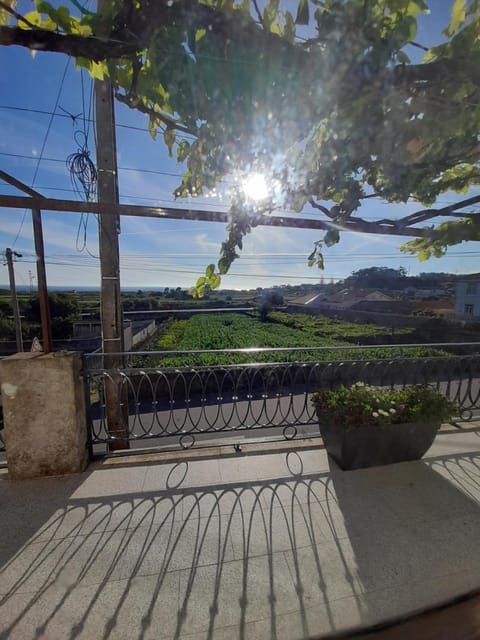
(37, 203)
(386, 226)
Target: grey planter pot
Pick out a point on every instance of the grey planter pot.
(362, 447)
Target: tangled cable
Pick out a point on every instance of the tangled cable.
(83, 173)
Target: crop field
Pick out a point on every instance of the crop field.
(238, 331)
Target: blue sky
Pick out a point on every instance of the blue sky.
(158, 253)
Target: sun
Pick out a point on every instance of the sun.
(255, 187)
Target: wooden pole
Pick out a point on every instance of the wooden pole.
(11, 275)
(42, 281)
(110, 304)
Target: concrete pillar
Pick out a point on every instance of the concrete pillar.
(44, 414)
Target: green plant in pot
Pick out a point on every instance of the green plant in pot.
(365, 426)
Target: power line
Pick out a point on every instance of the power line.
(186, 271)
(134, 197)
(173, 175)
(62, 160)
(47, 133)
(376, 256)
(55, 114)
(134, 263)
(172, 201)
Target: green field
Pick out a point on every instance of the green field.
(237, 331)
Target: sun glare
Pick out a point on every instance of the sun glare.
(255, 187)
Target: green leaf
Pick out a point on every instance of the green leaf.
(97, 70)
(36, 19)
(5, 16)
(403, 58)
(303, 13)
(416, 7)
(289, 28)
(201, 282)
(215, 281)
(199, 33)
(458, 16)
(182, 150)
(223, 266)
(152, 128)
(169, 138)
(270, 13)
(210, 270)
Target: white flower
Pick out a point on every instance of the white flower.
(382, 412)
(392, 411)
(375, 414)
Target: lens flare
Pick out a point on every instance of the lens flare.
(255, 187)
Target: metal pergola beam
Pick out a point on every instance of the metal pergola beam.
(170, 213)
(19, 185)
(36, 198)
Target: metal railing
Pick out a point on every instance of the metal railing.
(186, 405)
(2, 440)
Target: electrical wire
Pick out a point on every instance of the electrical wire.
(162, 270)
(153, 171)
(180, 136)
(169, 174)
(222, 207)
(83, 173)
(47, 133)
(155, 262)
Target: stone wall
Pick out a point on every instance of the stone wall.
(45, 426)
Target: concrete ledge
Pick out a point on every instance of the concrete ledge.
(44, 414)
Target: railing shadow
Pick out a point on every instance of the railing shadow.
(173, 557)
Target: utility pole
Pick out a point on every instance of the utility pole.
(108, 231)
(11, 275)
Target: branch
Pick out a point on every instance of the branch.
(323, 209)
(259, 15)
(371, 195)
(428, 214)
(364, 226)
(133, 103)
(437, 71)
(415, 44)
(16, 15)
(138, 28)
(89, 47)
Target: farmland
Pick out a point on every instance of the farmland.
(237, 331)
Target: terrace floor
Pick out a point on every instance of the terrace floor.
(263, 544)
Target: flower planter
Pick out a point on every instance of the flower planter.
(370, 446)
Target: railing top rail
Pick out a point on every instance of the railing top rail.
(250, 350)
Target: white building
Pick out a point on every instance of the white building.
(467, 300)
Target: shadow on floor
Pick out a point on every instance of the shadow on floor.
(150, 552)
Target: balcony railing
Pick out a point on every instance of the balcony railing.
(192, 403)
